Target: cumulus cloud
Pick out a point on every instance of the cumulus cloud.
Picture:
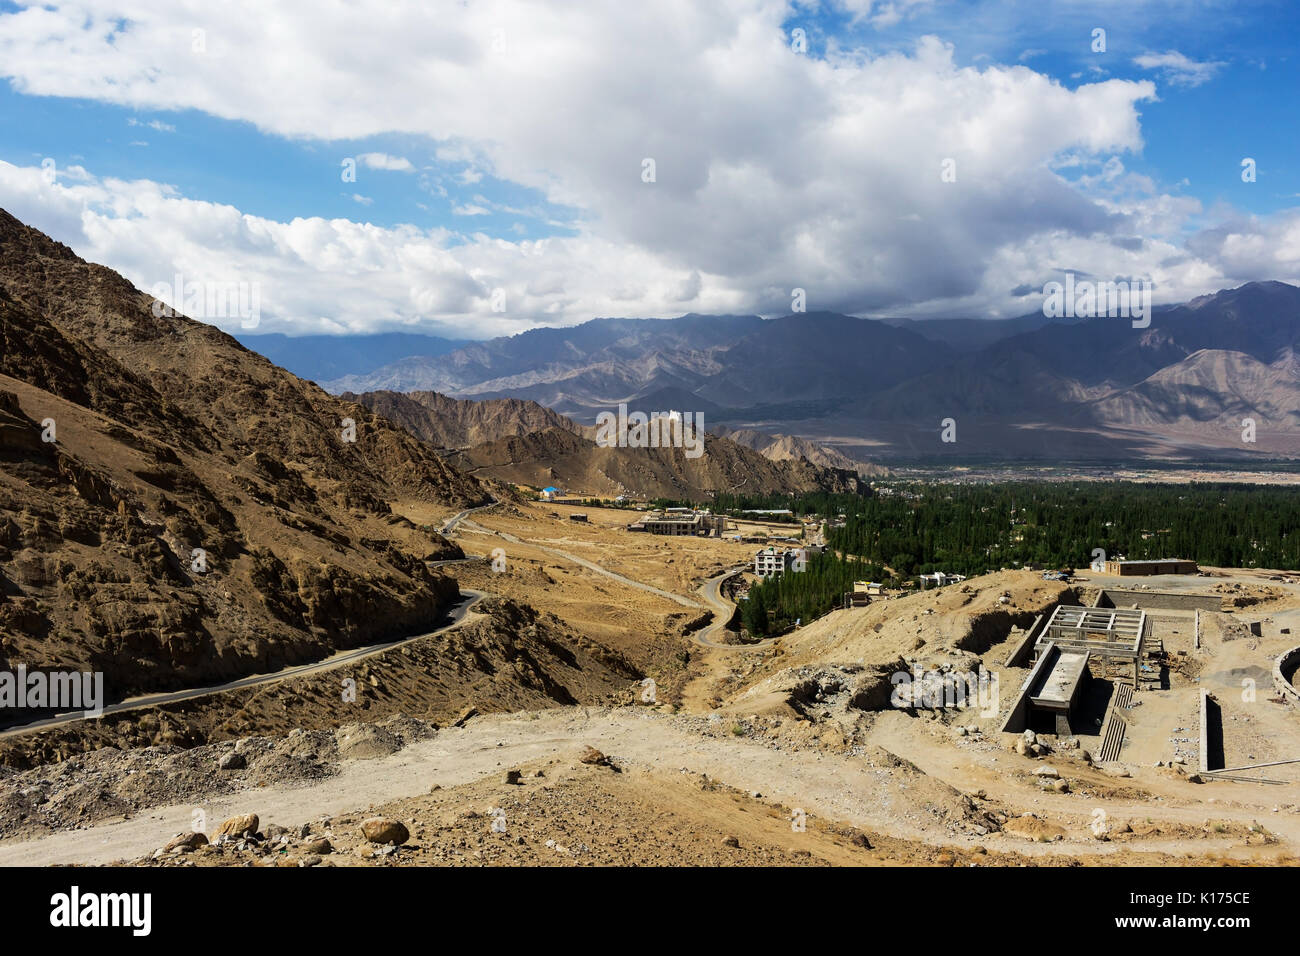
(774, 170)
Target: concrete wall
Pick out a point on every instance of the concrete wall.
(1281, 667)
(1159, 600)
(1022, 652)
(1018, 717)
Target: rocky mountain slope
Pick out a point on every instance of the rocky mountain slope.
(792, 448)
(459, 423)
(558, 457)
(319, 358)
(174, 509)
(1212, 386)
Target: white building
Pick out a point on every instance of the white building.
(939, 579)
(772, 561)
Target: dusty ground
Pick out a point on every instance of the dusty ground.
(804, 722)
(686, 783)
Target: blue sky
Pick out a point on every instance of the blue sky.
(472, 144)
(229, 161)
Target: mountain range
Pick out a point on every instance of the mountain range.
(881, 390)
(519, 441)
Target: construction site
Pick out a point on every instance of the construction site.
(1174, 653)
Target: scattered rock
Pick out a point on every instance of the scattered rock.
(232, 761)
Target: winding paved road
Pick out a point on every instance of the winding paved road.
(456, 614)
(711, 591)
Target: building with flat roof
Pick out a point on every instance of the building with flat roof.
(682, 522)
(772, 561)
(1154, 566)
(939, 579)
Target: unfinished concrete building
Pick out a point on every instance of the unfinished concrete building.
(1109, 637)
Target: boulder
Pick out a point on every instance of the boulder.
(191, 840)
(384, 830)
(232, 761)
(319, 846)
(238, 826)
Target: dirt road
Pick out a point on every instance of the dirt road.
(830, 786)
(842, 788)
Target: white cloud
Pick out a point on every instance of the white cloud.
(158, 125)
(1179, 69)
(774, 169)
(399, 164)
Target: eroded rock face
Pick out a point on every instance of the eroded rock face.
(176, 511)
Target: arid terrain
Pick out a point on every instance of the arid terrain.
(476, 739)
(330, 638)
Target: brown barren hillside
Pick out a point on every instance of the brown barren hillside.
(780, 447)
(198, 513)
(558, 457)
(460, 423)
